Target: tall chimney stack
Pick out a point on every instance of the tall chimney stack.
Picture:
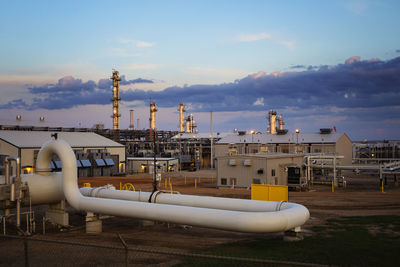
(138, 126)
(115, 78)
(181, 118)
(131, 124)
(153, 111)
(272, 122)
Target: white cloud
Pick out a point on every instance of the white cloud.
(145, 44)
(137, 43)
(288, 44)
(140, 67)
(265, 36)
(253, 37)
(120, 52)
(259, 102)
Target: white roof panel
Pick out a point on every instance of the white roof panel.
(199, 135)
(26, 123)
(281, 139)
(25, 139)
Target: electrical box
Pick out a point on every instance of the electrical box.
(269, 192)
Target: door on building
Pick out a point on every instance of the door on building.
(293, 175)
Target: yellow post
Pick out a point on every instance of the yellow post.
(382, 187)
(333, 186)
(233, 184)
(169, 180)
(195, 183)
(170, 188)
(86, 185)
(165, 183)
(120, 185)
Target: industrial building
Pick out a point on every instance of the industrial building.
(326, 142)
(96, 155)
(145, 165)
(376, 151)
(243, 170)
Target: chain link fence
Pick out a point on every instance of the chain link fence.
(31, 251)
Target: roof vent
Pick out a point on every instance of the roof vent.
(242, 132)
(18, 117)
(325, 130)
(281, 132)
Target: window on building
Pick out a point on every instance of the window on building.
(233, 181)
(272, 172)
(223, 181)
(256, 181)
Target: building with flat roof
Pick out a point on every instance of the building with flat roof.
(243, 170)
(145, 165)
(26, 145)
(323, 142)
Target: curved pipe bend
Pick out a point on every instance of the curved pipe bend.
(219, 213)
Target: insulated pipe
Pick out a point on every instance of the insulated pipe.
(17, 182)
(262, 217)
(296, 214)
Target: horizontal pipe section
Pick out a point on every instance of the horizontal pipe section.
(292, 214)
(218, 213)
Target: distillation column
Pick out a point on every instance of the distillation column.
(131, 120)
(181, 118)
(280, 122)
(272, 122)
(115, 78)
(190, 124)
(153, 110)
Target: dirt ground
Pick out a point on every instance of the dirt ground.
(361, 197)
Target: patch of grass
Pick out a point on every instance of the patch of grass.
(348, 243)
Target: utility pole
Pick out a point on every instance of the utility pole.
(212, 141)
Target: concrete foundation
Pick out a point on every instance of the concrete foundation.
(57, 214)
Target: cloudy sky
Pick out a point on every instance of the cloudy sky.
(318, 63)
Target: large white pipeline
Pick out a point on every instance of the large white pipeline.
(219, 213)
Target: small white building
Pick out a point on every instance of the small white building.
(26, 145)
(243, 170)
(325, 143)
(145, 165)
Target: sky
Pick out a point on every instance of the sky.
(319, 64)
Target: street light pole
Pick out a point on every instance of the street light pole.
(297, 140)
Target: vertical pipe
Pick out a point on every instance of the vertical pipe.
(7, 178)
(153, 111)
(211, 141)
(115, 78)
(334, 172)
(181, 118)
(131, 120)
(155, 161)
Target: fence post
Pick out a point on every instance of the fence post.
(26, 252)
(126, 249)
